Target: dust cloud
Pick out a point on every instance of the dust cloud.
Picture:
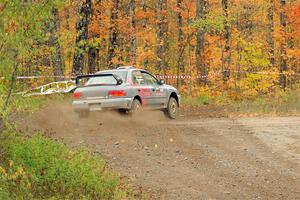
(59, 118)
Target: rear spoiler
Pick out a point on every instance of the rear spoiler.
(77, 80)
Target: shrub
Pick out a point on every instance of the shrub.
(284, 102)
(44, 168)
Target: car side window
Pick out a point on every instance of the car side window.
(138, 78)
(150, 80)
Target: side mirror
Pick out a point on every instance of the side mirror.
(161, 82)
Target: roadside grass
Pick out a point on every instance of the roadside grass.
(37, 168)
(196, 101)
(283, 103)
(280, 103)
(33, 166)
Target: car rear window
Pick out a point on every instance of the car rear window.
(120, 73)
(102, 80)
(107, 80)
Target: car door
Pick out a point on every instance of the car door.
(159, 92)
(144, 90)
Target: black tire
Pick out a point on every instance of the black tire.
(135, 107)
(83, 114)
(173, 109)
(122, 111)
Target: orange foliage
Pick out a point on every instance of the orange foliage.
(249, 53)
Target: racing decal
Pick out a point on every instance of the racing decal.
(144, 92)
(160, 92)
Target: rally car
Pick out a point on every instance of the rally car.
(126, 89)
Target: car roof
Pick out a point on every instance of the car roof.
(123, 68)
(126, 67)
(109, 71)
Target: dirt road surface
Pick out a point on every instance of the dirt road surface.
(189, 158)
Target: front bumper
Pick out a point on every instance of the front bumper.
(101, 104)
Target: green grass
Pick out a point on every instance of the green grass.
(39, 168)
(196, 101)
(279, 103)
(285, 103)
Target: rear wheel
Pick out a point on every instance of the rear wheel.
(135, 106)
(123, 111)
(172, 109)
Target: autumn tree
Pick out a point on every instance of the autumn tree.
(28, 44)
(200, 66)
(133, 32)
(271, 44)
(145, 27)
(180, 40)
(113, 33)
(283, 45)
(227, 48)
(162, 37)
(215, 42)
(85, 11)
(92, 44)
(57, 55)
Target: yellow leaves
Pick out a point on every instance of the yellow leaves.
(2, 170)
(259, 83)
(11, 163)
(15, 176)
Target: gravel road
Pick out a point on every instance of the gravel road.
(189, 158)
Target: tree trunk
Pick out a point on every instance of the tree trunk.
(113, 33)
(226, 51)
(283, 45)
(57, 56)
(133, 33)
(93, 50)
(180, 61)
(162, 42)
(93, 60)
(144, 25)
(103, 54)
(271, 33)
(82, 36)
(200, 9)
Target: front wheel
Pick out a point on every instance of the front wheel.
(172, 109)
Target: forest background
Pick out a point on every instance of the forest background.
(235, 49)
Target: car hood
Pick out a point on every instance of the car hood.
(169, 87)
